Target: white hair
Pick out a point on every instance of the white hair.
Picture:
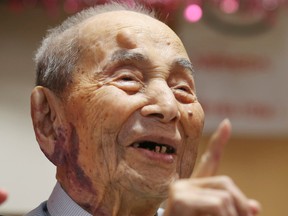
(59, 52)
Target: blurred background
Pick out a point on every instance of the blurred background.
(239, 49)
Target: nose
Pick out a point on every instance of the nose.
(162, 103)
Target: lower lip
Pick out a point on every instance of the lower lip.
(160, 157)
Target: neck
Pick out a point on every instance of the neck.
(111, 200)
(125, 203)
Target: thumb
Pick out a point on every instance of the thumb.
(3, 195)
(210, 160)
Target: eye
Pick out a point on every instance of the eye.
(127, 78)
(184, 93)
(128, 81)
(184, 89)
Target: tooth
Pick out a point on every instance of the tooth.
(136, 145)
(157, 149)
(163, 149)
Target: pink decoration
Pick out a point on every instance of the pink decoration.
(193, 13)
(193, 8)
(229, 6)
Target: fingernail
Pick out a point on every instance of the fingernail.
(226, 121)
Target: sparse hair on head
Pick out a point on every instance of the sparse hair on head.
(59, 52)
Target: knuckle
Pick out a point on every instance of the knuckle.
(223, 205)
(226, 198)
(217, 206)
(226, 180)
(179, 185)
(181, 189)
(218, 203)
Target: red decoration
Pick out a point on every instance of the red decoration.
(165, 7)
(72, 6)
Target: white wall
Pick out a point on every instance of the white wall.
(241, 76)
(25, 172)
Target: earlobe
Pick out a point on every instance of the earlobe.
(48, 120)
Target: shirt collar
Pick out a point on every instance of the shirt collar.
(60, 204)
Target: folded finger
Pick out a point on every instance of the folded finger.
(224, 183)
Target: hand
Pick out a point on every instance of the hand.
(205, 194)
(3, 195)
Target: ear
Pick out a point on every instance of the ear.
(49, 123)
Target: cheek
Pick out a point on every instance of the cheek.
(193, 126)
(111, 108)
(192, 120)
(75, 152)
(98, 116)
(95, 107)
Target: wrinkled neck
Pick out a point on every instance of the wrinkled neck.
(110, 200)
(120, 202)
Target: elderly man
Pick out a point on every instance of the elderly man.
(115, 110)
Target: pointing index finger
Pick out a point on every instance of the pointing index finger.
(210, 160)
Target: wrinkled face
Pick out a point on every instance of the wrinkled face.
(132, 105)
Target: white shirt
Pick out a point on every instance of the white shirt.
(60, 204)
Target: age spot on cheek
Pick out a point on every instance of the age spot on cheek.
(78, 171)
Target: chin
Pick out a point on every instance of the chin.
(147, 182)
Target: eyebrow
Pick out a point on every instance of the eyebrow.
(125, 55)
(182, 62)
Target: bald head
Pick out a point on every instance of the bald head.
(59, 52)
(123, 31)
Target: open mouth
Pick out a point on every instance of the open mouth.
(155, 147)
